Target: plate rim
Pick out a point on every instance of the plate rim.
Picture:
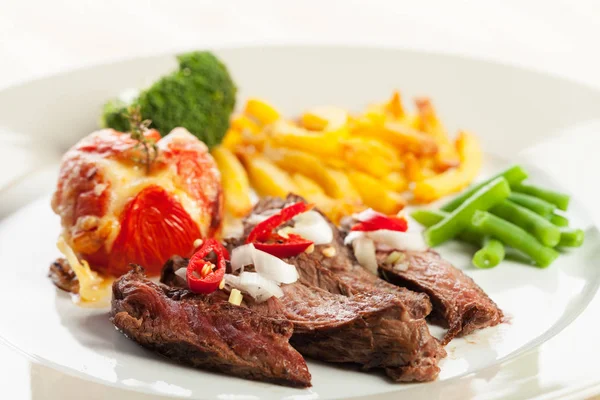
(585, 388)
(238, 46)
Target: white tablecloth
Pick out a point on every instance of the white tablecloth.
(39, 38)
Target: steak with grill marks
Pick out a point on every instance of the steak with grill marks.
(343, 265)
(343, 314)
(206, 331)
(370, 329)
(458, 302)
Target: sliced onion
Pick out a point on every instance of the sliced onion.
(252, 283)
(254, 219)
(312, 226)
(231, 281)
(182, 273)
(352, 236)
(383, 247)
(364, 250)
(398, 240)
(367, 215)
(255, 285)
(265, 264)
(274, 268)
(242, 256)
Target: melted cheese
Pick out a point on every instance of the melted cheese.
(92, 287)
(127, 181)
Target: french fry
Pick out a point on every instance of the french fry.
(447, 157)
(396, 182)
(307, 187)
(326, 118)
(376, 195)
(400, 135)
(414, 121)
(236, 187)
(338, 209)
(427, 162)
(342, 132)
(232, 139)
(335, 163)
(370, 156)
(394, 106)
(336, 184)
(267, 178)
(343, 187)
(343, 163)
(286, 134)
(454, 180)
(428, 166)
(261, 111)
(412, 168)
(242, 123)
(335, 209)
(374, 115)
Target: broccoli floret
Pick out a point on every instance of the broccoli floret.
(114, 115)
(199, 96)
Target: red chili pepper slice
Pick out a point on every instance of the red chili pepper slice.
(293, 245)
(223, 249)
(264, 239)
(263, 230)
(203, 279)
(382, 222)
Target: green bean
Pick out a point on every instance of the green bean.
(571, 238)
(513, 175)
(428, 218)
(491, 254)
(483, 199)
(559, 220)
(536, 205)
(514, 236)
(542, 229)
(561, 200)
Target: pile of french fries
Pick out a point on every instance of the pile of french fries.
(381, 158)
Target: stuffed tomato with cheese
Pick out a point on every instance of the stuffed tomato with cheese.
(116, 210)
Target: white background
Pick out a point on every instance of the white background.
(38, 38)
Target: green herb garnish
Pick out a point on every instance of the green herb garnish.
(138, 129)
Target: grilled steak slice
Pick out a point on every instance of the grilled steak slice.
(457, 300)
(370, 329)
(343, 265)
(63, 276)
(206, 331)
(341, 313)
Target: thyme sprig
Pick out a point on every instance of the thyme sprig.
(137, 130)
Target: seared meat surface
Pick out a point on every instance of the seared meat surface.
(370, 329)
(344, 268)
(63, 276)
(206, 331)
(341, 313)
(458, 301)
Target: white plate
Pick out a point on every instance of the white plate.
(510, 109)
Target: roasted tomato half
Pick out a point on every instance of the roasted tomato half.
(114, 211)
